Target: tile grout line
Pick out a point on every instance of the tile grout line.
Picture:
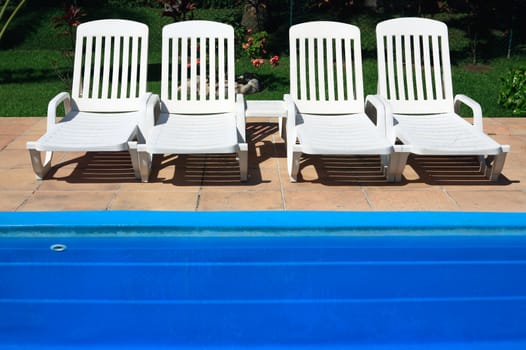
(198, 199)
(364, 192)
(448, 195)
(278, 167)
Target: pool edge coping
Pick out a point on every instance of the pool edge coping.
(239, 220)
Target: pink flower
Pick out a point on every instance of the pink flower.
(257, 62)
(249, 31)
(274, 60)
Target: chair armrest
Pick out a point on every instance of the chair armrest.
(383, 114)
(52, 106)
(475, 108)
(290, 108)
(241, 108)
(150, 110)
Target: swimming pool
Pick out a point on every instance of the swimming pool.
(236, 280)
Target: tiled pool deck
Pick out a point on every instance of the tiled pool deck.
(102, 181)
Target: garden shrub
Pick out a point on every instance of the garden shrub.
(513, 92)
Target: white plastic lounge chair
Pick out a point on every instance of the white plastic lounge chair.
(108, 95)
(200, 113)
(414, 75)
(326, 109)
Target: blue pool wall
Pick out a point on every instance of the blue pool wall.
(232, 220)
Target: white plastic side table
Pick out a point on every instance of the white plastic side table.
(267, 109)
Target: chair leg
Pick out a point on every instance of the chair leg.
(40, 168)
(282, 128)
(132, 148)
(144, 160)
(293, 161)
(396, 164)
(242, 155)
(493, 172)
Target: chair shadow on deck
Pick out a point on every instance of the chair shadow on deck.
(366, 171)
(96, 167)
(452, 170)
(343, 171)
(217, 169)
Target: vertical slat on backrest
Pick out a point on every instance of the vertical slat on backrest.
(184, 71)
(134, 63)
(222, 66)
(202, 69)
(96, 68)
(446, 68)
(439, 92)
(339, 70)
(348, 58)
(116, 65)
(212, 55)
(428, 68)
(303, 68)
(399, 68)
(357, 73)
(390, 68)
(409, 68)
(311, 59)
(125, 66)
(143, 67)
(321, 64)
(106, 67)
(231, 76)
(168, 52)
(331, 87)
(193, 68)
(417, 54)
(80, 84)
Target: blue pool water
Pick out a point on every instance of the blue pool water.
(281, 280)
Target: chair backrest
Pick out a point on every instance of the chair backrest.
(198, 68)
(111, 63)
(326, 68)
(414, 71)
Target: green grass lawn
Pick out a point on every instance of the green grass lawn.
(31, 62)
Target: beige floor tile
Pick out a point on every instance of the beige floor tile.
(5, 140)
(12, 200)
(16, 126)
(496, 126)
(490, 200)
(68, 200)
(21, 179)
(259, 179)
(38, 128)
(14, 159)
(159, 200)
(516, 126)
(326, 200)
(20, 142)
(158, 186)
(249, 200)
(409, 200)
